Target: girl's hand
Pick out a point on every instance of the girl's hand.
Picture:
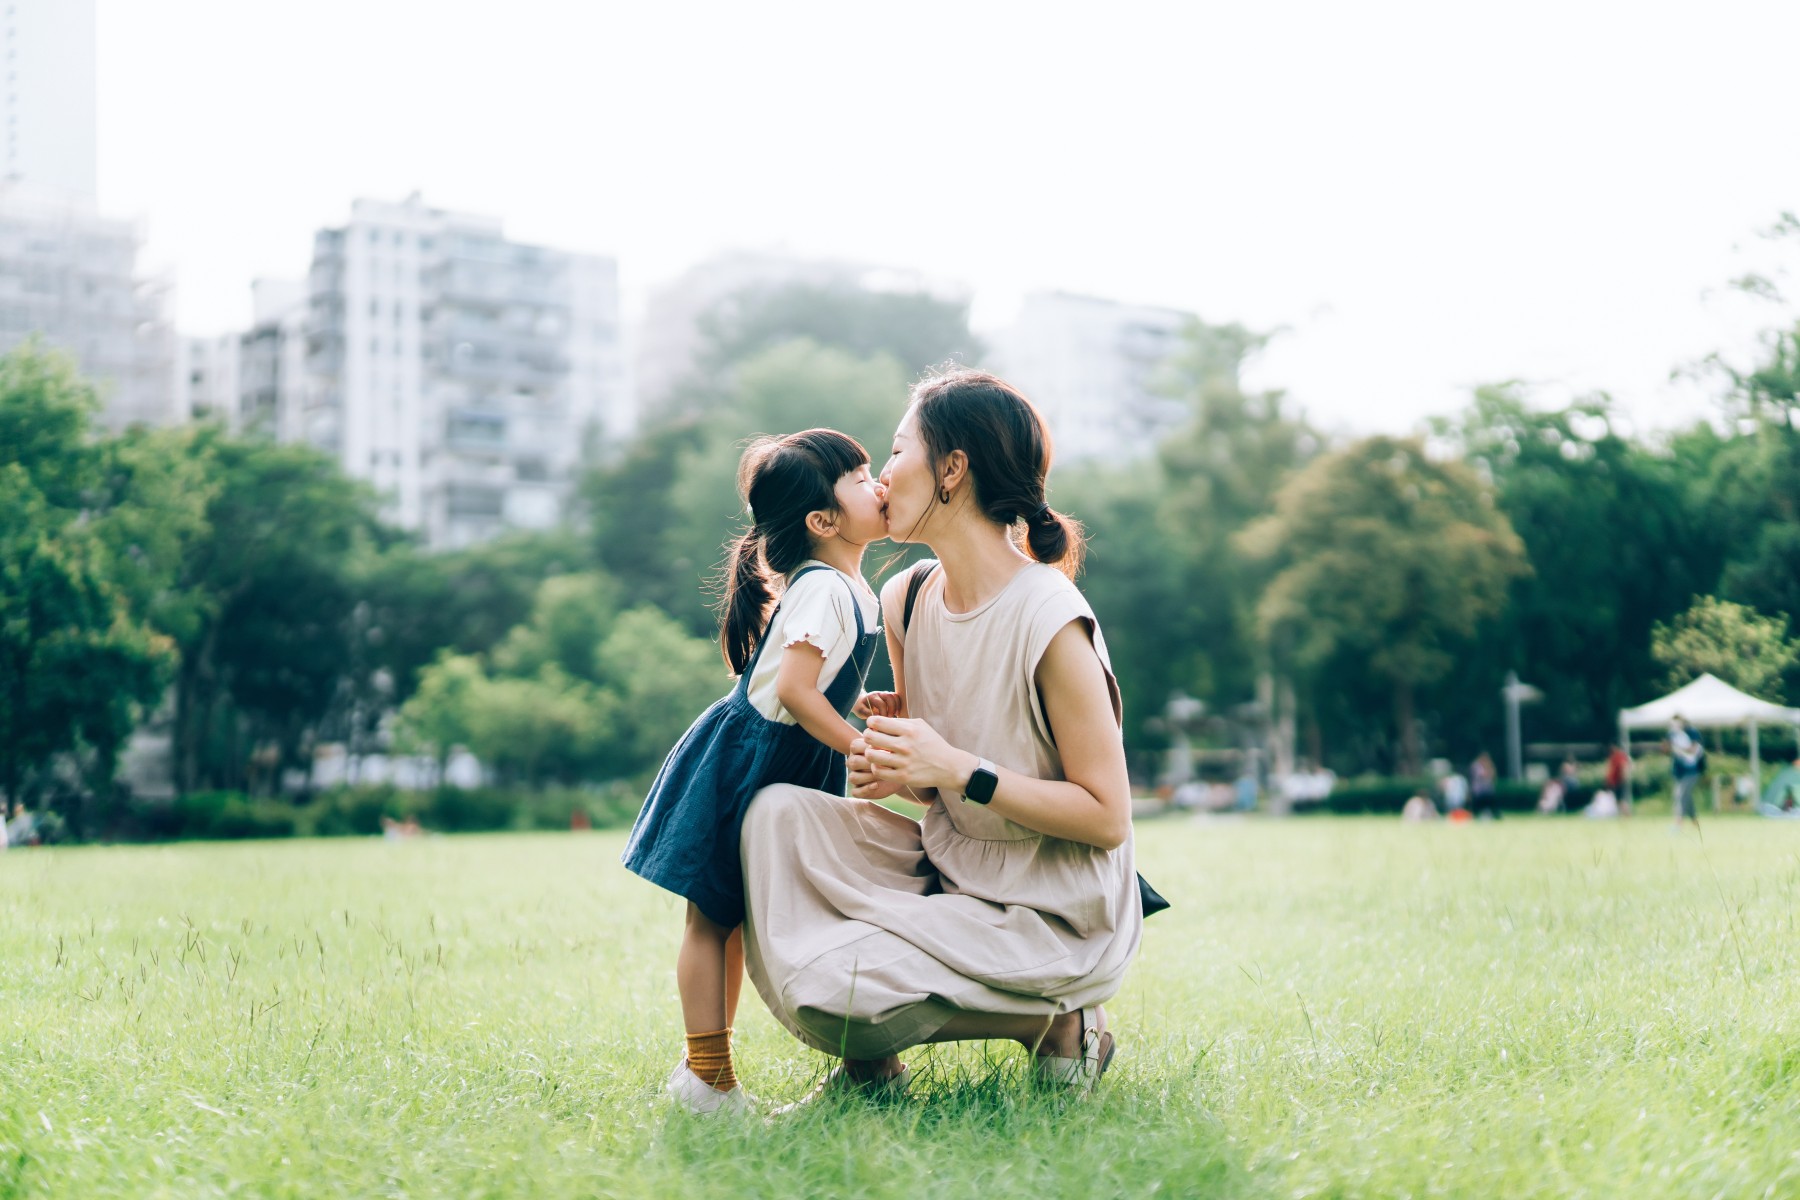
(877, 704)
(909, 753)
(863, 784)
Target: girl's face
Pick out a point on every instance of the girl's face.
(859, 507)
(909, 482)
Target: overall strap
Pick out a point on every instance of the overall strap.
(914, 582)
(762, 638)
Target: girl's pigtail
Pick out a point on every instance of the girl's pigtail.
(746, 601)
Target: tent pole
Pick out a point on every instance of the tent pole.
(1755, 761)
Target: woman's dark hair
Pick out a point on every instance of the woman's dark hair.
(781, 481)
(1009, 451)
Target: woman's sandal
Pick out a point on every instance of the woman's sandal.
(1078, 1075)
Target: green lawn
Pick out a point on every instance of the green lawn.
(1333, 1008)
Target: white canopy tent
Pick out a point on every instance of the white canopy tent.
(1710, 703)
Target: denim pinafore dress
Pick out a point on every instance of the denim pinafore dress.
(686, 836)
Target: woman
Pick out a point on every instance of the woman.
(1012, 909)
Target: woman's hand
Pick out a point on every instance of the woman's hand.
(877, 704)
(909, 753)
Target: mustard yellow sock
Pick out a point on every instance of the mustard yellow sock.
(709, 1057)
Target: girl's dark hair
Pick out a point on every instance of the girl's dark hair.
(781, 481)
(1009, 451)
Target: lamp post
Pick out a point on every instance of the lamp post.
(1515, 694)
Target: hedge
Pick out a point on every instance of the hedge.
(359, 811)
(1389, 796)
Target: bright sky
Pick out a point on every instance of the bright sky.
(1424, 196)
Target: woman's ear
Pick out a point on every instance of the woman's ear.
(821, 524)
(956, 469)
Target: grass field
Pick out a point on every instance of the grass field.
(1334, 1008)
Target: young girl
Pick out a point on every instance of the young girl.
(815, 509)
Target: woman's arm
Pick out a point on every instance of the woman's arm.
(1092, 804)
(863, 784)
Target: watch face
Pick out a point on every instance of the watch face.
(981, 786)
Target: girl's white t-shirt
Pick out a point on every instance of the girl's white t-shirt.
(814, 609)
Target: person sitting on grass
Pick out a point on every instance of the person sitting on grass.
(1012, 909)
(1419, 808)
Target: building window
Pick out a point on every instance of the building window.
(473, 500)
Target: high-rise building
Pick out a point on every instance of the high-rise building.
(1091, 366)
(465, 375)
(207, 378)
(47, 105)
(69, 278)
(272, 373)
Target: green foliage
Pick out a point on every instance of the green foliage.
(1745, 649)
(1387, 558)
(579, 692)
(569, 618)
(662, 679)
(1173, 593)
(1616, 544)
(662, 515)
(271, 602)
(77, 655)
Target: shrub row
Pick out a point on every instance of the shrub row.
(356, 811)
(1385, 796)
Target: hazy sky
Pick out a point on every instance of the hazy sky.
(1424, 196)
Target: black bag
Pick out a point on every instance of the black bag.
(1152, 899)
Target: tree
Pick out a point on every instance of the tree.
(1616, 542)
(76, 660)
(663, 679)
(1173, 592)
(1744, 648)
(435, 718)
(662, 515)
(1386, 557)
(265, 639)
(914, 329)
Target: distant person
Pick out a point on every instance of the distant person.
(1419, 808)
(793, 582)
(1568, 776)
(1550, 797)
(1483, 787)
(21, 830)
(1687, 762)
(1603, 806)
(1618, 773)
(1456, 791)
(1246, 792)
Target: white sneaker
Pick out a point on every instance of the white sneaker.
(702, 1099)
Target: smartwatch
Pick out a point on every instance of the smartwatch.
(982, 782)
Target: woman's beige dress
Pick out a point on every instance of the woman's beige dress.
(867, 931)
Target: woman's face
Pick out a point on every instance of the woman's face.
(908, 481)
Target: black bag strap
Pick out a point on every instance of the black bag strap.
(914, 581)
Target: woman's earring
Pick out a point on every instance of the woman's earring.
(943, 495)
